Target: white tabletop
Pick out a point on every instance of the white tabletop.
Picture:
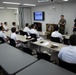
(43, 67)
(13, 60)
(20, 37)
(48, 43)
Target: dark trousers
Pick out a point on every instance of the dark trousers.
(62, 29)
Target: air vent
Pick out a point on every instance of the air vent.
(43, 0)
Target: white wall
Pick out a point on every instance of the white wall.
(52, 15)
(8, 16)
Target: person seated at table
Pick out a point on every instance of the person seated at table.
(34, 31)
(5, 26)
(15, 38)
(74, 28)
(2, 34)
(68, 54)
(56, 33)
(27, 29)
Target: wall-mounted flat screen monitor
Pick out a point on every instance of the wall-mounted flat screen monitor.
(39, 16)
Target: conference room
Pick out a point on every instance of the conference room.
(37, 37)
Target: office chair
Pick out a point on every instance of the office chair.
(1, 40)
(34, 36)
(12, 42)
(66, 41)
(21, 32)
(43, 56)
(68, 66)
(27, 50)
(25, 33)
(55, 39)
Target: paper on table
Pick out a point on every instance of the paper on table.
(45, 43)
(55, 45)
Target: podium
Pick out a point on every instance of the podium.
(50, 29)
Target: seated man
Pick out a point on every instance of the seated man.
(15, 38)
(27, 29)
(2, 33)
(5, 26)
(68, 54)
(34, 31)
(56, 33)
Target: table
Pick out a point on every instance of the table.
(13, 60)
(43, 67)
(66, 36)
(20, 37)
(60, 45)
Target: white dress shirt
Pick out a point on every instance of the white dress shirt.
(14, 36)
(68, 54)
(26, 29)
(2, 35)
(57, 34)
(5, 27)
(34, 31)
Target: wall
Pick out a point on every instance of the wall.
(8, 16)
(52, 15)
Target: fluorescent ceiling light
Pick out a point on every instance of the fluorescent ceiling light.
(11, 3)
(65, 0)
(11, 8)
(1, 7)
(29, 4)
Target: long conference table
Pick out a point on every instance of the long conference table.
(20, 37)
(13, 60)
(43, 67)
(47, 44)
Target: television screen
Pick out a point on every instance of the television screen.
(39, 16)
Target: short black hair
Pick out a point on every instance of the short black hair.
(13, 23)
(75, 20)
(27, 24)
(5, 22)
(13, 29)
(72, 40)
(62, 15)
(33, 25)
(56, 28)
(1, 27)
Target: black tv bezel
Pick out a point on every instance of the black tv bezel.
(43, 16)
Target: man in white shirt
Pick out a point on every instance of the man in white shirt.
(56, 33)
(2, 33)
(15, 38)
(27, 29)
(5, 26)
(34, 31)
(68, 54)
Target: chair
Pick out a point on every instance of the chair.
(34, 36)
(68, 66)
(25, 33)
(1, 40)
(66, 41)
(27, 50)
(21, 32)
(55, 39)
(12, 42)
(43, 56)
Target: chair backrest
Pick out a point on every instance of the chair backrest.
(34, 36)
(25, 33)
(1, 40)
(68, 66)
(21, 32)
(66, 41)
(12, 42)
(43, 56)
(55, 39)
